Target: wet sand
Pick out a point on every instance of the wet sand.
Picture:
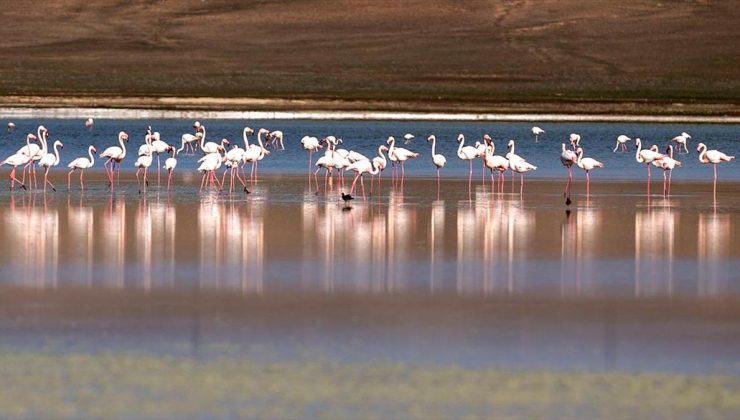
(281, 303)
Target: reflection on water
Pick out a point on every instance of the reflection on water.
(495, 244)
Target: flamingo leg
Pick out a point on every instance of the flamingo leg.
(352, 188)
(158, 168)
(13, 179)
(138, 181)
(224, 176)
(169, 179)
(82, 184)
(202, 181)
(69, 179)
(588, 184)
(670, 175)
(664, 184)
(521, 183)
(714, 185)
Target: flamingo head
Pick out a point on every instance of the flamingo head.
(264, 132)
(61, 145)
(123, 136)
(638, 143)
(248, 130)
(460, 138)
(700, 146)
(196, 125)
(510, 144)
(487, 139)
(685, 134)
(390, 140)
(431, 137)
(225, 141)
(93, 149)
(340, 141)
(384, 148)
(31, 137)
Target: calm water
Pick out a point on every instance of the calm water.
(411, 274)
(364, 136)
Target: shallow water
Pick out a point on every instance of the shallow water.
(598, 141)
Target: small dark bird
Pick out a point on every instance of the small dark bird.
(246, 190)
(567, 201)
(347, 198)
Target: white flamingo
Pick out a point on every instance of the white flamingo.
(568, 158)
(89, 123)
(360, 168)
(518, 164)
(399, 154)
(50, 160)
(144, 162)
(380, 161)
(714, 157)
(467, 153)
(11, 127)
(621, 143)
(437, 159)
(209, 147)
(187, 141)
(276, 138)
(575, 140)
(310, 144)
(209, 164)
(325, 162)
(253, 154)
(159, 146)
(81, 163)
(667, 164)
(537, 132)
(34, 151)
(587, 164)
(407, 138)
(682, 140)
(646, 156)
(115, 155)
(18, 159)
(495, 163)
(170, 164)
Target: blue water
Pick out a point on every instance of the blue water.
(598, 141)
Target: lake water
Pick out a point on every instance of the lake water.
(598, 141)
(412, 275)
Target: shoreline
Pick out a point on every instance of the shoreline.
(287, 109)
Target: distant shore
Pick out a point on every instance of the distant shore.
(171, 108)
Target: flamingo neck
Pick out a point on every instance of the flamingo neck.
(182, 146)
(638, 157)
(512, 148)
(246, 140)
(460, 147)
(434, 146)
(56, 154)
(90, 153)
(44, 144)
(123, 146)
(203, 138)
(703, 155)
(392, 148)
(380, 152)
(28, 142)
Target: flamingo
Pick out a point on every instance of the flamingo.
(575, 140)
(407, 138)
(360, 168)
(169, 164)
(89, 123)
(521, 167)
(353, 156)
(326, 162)
(682, 140)
(11, 127)
(667, 164)
(48, 161)
(187, 140)
(621, 143)
(437, 159)
(536, 131)
(115, 155)
(209, 147)
(16, 160)
(646, 156)
(467, 153)
(209, 164)
(568, 158)
(341, 160)
(81, 163)
(495, 162)
(587, 164)
(144, 162)
(714, 157)
(311, 145)
(399, 154)
(380, 161)
(254, 153)
(33, 151)
(159, 146)
(276, 137)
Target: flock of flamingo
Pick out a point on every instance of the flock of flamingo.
(335, 160)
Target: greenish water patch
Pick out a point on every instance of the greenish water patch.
(113, 385)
